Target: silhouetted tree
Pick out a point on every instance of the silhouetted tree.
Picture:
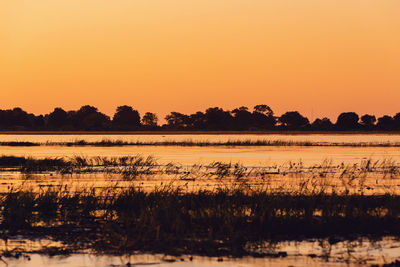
(89, 118)
(324, 124)
(126, 118)
(57, 120)
(264, 109)
(197, 121)
(218, 119)
(386, 123)
(17, 119)
(39, 122)
(263, 117)
(368, 121)
(293, 120)
(347, 121)
(177, 121)
(150, 120)
(242, 118)
(396, 119)
(6, 119)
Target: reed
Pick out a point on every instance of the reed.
(167, 220)
(191, 143)
(134, 166)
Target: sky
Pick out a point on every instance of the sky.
(318, 57)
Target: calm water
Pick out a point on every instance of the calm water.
(84, 260)
(248, 156)
(252, 156)
(345, 253)
(335, 138)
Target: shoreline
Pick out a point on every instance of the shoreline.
(199, 132)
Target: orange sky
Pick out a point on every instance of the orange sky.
(318, 57)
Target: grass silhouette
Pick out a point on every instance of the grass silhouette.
(190, 143)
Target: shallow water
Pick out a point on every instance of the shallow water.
(253, 156)
(83, 260)
(305, 253)
(250, 156)
(332, 138)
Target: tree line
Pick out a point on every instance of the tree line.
(126, 118)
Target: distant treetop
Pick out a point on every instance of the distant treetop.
(126, 118)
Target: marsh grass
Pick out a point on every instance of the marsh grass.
(363, 175)
(79, 164)
(191, 143)
(169, 220)
(220, 221)
(28, 164)
(19, 143)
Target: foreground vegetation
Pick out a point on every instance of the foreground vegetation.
(166, 220)
(232, 218)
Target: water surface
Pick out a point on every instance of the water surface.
(251, 156)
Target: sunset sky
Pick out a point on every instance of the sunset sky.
(320, 57)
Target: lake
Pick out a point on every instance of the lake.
(284, 168)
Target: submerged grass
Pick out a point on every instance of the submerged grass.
(365, 177)
(166, 220)
(191, 143)
(28, 164)
(78, 164)
(172, 220)
(19, 143)
(137, 165)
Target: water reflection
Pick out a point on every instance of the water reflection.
(252, 156)
(305, 253)
(335, 138)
